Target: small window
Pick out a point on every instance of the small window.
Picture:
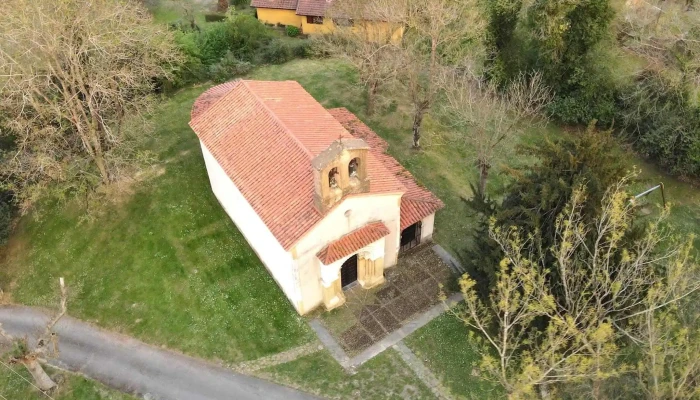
(353, 167)
(333, 178)
(314, 20)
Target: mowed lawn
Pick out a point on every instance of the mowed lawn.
(164, 264)
(14, 385)
(384, 377)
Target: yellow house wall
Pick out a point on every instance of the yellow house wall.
(274, 16)
(311, 29)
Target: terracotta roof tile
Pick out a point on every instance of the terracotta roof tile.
(314, 8)
(418, 202)
(279, 4)
(264, 135)
(351, 242)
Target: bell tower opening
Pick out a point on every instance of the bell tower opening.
(340, 170)
(353, 167)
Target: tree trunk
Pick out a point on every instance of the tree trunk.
(417, 122)
(222, 6)
(100, 161)
(42, 380)
(483, 175)
(372, 97)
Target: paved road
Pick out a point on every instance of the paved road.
(134, 367)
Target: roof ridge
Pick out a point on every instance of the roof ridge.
(276, 119)
(412, 198)
(235, 82)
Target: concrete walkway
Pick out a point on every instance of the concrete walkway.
(137, 368)
(422, 372)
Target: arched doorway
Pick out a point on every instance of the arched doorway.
(348, 271)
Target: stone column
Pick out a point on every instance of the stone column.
(370, 273)
(332, 290)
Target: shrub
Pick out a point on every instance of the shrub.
(662, 123)
(588, 94)
(228, 67)
(249, 36)
(214, 17)
(276, 52)
(7, 212)
(293, 31)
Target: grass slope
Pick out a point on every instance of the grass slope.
(383, 377)
(165, 265)
(13, 386)
(442, 346)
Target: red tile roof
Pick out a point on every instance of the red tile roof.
(264, 135)
(279, 4)
(353, 241)
(418, 202)
(314, 8)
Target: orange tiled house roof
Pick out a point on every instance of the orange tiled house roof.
(314, 8)
(265, 134)
(351, 242)
(279, 4)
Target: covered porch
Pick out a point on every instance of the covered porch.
(410, 288)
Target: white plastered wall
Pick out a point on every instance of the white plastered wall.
(338, 222)
(427, 226)
(278, 261)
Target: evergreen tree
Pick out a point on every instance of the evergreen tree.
(538, 195)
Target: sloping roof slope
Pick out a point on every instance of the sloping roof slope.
(418, 202)
(264, 135)
(314, 8)
(279, 4)
(351, 242)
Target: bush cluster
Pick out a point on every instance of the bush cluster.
(292, 31)
(7, 212)
(662, 123)
(222, 50)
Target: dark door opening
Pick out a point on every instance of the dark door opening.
(348, 271)
(410, 237)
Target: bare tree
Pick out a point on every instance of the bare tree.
(46, 346)
(70, 73)
(599, 284)
(484, 117)
(366, 34)
(666, 33)
(440, 34)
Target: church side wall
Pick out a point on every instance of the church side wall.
(278, 261)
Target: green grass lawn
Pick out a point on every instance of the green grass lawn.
(13, 386)
(444, 348)
(383, 377)
(446, 170)
(166, 265)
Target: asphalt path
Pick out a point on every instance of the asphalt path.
(134, 367)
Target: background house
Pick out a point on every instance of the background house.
(311, 16)
(312, 190)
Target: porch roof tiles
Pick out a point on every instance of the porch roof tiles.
(352, 242)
